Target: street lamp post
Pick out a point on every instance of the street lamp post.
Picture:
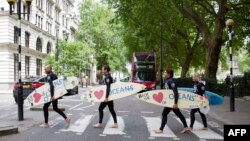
(20, 86)
(57, 49)
(161, 79)
(230, 24)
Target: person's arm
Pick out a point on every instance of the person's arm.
(176, 95)
(108, 82)
(50, 80)
(200, 89)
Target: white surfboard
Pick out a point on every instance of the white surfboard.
(118, 90)
(42, 94)
(165, 98)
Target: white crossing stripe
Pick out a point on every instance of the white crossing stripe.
(154, 123)
(114, 131)
(203, 134)
(80, 125)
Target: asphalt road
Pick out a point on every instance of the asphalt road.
(136, 121)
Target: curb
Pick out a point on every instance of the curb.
(8, 130)
(41, 109)
(247, 98)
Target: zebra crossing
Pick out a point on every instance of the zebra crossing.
(81, 125)
(208, 134)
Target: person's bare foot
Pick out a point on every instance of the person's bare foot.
(67, 122)
(190, 128)
(185, 130)
(44, 125)
(158, 131)
(205, 128)
(98, 125)
(115, 125)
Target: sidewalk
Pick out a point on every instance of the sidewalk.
(241, 115)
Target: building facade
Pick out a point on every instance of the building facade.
(48, 20)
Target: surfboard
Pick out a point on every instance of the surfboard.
(118, 90)
(165, 98)
(42, 94)
(213, 98)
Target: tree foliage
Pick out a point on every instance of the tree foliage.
(193, 30)
(98, 32)
(73, 57)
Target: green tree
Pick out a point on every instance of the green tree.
(203, 18)
(73, 57)
(209, 17)
(244, 63)
(145, 20)
(96, 30)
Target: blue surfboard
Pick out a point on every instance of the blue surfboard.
(213, 98)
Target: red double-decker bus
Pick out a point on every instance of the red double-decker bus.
(144, 69)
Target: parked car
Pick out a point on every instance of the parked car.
(31, 83)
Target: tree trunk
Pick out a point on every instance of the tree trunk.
(212, 51)
(185, 65)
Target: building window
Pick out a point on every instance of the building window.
(27, 39)
(24, 11)
(57, 15)
(48, 27)
(41, 23)
(15, 67)
(38, 67)
(48, 48)
(63, 17)
(39, 4)
(39, 45)
(15, 35)
(49, 8)
(27, 65)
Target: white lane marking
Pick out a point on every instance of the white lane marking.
(203, 134)
(120, 111)
(151, 138)
(66, 100)
(82, 108)
(54, 122)
(147, 112)
(75, 106)
(80, 125)
(64, 105)
(102, 135)
(114, 131)
(222, 130)
(213, 124)
(154, 123)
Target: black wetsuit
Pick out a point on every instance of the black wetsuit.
(108, 80)
(170, 84)
(49, 78)
(199, 88)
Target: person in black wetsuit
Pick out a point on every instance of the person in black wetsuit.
(50, 78)
(199, 88)
(170, 84)
(108, 80)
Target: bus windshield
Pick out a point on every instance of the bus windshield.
(143, 68)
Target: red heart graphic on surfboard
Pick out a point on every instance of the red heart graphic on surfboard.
(158, 97)
(98, 94)
(37, 97)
